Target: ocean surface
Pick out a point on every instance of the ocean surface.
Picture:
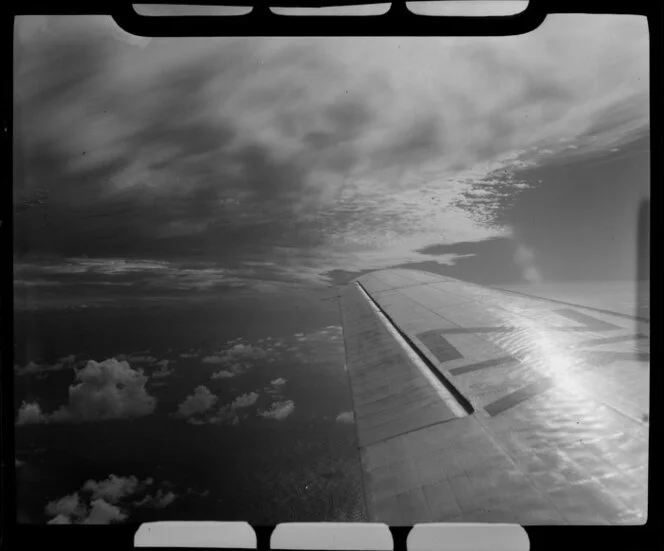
(300, 465)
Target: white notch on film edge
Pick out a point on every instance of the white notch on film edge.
(467, 537)
(445, 395)
(332, 535)
(196, 534)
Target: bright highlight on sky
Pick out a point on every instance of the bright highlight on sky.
(205, 164)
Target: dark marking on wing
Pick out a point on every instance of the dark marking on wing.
(439, 346)
(494, 362)
(604, 358)
(519, 396)
(589, 323)
(611, 340)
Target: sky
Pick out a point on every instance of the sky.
(181, 167)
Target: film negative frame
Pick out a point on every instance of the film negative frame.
(398, 20)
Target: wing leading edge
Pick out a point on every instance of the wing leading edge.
(476, 405)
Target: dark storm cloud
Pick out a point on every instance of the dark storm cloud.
(190, 186)
(217, 152)
(421, 141)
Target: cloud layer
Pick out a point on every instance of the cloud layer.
(33, 368)
(308, 154)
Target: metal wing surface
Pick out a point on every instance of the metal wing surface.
(474, 404)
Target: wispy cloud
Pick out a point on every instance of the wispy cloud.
(33, 368)
(525, 259)
(139, 359)
(196, 404)
(160, 500)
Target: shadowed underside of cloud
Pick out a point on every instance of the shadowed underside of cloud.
(106, 501)
(105, 390)
(312, 154)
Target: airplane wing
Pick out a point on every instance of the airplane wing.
(474, 404)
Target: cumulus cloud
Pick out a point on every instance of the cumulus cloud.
(225, 414)
(245, 400)
(196, 404)
(223, 374)
(106, 501)
(237, 358)
(60, 519)
(102, 512)
(30, 413)
(199, 408)
(190, 354)
(346, 417)
(65, 506)
(114, 488)
(162, 370)
(279, 381)
(105, 390)
(240, 402)
(278, 410)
